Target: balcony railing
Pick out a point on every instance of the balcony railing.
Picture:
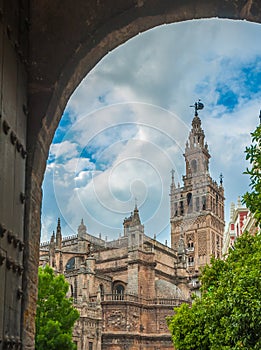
(136, 299)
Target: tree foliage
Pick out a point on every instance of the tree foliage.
(253, 154)
(227, 316)
(228, 313)
(55, 314)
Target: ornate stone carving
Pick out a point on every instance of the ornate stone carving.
(202, 243)
(116, 320)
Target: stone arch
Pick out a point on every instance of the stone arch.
(65, 44)
(118, 290)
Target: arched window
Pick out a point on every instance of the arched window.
(118, 291)
(191, 245)
(70, 264)
(189, 202)
(191, 261)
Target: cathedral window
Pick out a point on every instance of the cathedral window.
(204, 201)
(118, 292)
(175, 209)
(189, 202)
(190, 246)
(70, 264)
(190, 260)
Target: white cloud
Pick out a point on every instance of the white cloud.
(65, 150)
(130, 118)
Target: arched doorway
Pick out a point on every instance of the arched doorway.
(65, 41)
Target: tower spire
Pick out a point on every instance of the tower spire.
(82, 229)
(136, 216)
(193, 205)
(172, 186)
(59, 234)
(172, 177)
(136, 203)
(221, 177)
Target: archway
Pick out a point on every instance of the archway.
(65, 43)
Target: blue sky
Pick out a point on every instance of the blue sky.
(126, 125)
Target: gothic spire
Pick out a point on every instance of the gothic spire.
(172, 179)
(136, 216)
(82, 229)
(59, 224)
(58, 234)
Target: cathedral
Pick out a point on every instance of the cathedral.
(124, 289)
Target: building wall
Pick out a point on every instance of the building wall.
(124, 293)
(241, 220)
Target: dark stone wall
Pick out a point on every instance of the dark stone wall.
(65, 40)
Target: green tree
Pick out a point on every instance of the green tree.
(55, 314)
(228, 313)
(253, 154)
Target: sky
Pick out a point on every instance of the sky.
(125, 127)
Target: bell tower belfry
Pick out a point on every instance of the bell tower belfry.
(197, 208)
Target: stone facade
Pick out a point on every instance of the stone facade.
(124, 289)
(197, 208)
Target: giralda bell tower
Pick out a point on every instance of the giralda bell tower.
(197, 208)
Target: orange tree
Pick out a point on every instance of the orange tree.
(55, 314)
(228, 313)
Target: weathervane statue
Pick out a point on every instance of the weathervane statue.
(197, 105)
